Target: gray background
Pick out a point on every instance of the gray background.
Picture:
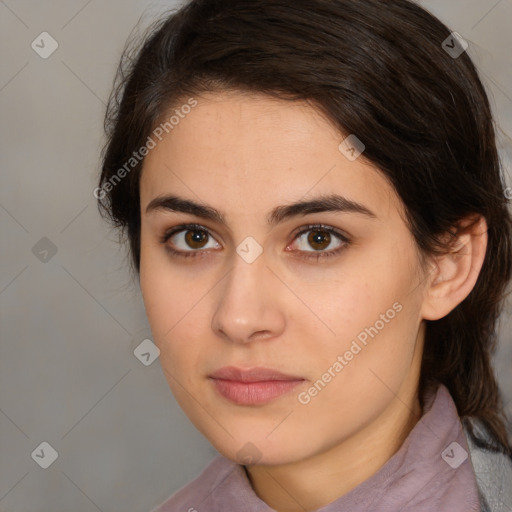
(69, 325)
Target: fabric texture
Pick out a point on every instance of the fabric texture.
(493, 474)
(436, 468)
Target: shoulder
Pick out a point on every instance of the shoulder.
(493, 473)
(190, 497)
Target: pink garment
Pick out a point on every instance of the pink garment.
(432, 471)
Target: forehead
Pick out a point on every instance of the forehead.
(249, 152)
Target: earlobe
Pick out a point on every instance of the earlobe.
(455, 272)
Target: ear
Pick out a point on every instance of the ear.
(455, 273)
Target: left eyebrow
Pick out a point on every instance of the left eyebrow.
(328, 203)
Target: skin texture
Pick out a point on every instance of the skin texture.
(245, 154)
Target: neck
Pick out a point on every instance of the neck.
(312, 483)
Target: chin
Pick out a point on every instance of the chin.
(260, 451)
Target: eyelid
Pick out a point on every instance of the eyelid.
(344, 238)
(320, 227)
(183, 227)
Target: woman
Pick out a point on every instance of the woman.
(316, 213)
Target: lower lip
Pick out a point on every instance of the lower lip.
(254, 393)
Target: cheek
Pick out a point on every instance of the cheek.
(373, 318)
(356, 299)
(363, 324)
(172, 307)
(357, 373)
(163, 296)
(170, 313)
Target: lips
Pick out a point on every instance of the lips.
(251, 374)
(252, 386)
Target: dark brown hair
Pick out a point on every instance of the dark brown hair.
(375, 69)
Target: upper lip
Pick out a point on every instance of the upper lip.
(254, 374)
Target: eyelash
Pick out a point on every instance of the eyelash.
(198, 253)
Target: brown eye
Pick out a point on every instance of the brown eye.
(196, 238)
(189, 240)
(319, 240)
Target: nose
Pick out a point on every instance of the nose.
(249, 306)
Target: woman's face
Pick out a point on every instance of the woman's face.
(253, 287)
